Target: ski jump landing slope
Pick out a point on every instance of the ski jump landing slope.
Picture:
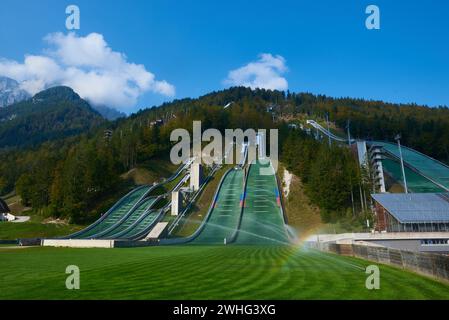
(226, 208)
(262, 219)
(123, 217)
(424, 173)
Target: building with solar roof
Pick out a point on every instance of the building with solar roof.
(412, 212)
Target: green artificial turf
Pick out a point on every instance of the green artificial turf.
(224, 218)
(262, 220)
(202, 272)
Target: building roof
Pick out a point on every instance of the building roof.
(4, 207)
(416, 207)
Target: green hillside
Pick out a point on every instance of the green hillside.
(51, 114)
(66, 176)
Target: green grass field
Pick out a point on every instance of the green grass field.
(35, 228)
(202, 272)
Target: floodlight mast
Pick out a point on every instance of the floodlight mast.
(349, 133)
(398, 139)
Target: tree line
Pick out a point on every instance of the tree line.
(331, 175)
(69, 177)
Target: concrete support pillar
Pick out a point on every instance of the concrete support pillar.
(176, 203)
(196, 176)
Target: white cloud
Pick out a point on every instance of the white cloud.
(264, 73)
(89, 66)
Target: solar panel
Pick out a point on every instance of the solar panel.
(416, 207)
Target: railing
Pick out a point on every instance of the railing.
(317, 126)
(245, 156)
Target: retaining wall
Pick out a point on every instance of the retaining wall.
(78, 243)
(134, 244)
(94, 243)
(430, 264)
(9, 242)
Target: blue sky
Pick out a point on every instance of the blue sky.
(193, 45)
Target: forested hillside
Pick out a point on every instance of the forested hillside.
(331, 176)
(423, 128)
(51, 114)
(67, 176)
